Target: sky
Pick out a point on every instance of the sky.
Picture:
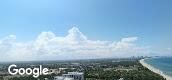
(105, 28)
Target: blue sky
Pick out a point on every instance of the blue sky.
(149, 20)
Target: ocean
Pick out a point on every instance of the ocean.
(162, 63)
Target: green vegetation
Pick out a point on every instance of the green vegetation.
(98, 69)
(50, 77)
(141, 73)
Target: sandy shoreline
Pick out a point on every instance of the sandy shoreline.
(154, 69)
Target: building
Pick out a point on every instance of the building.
(75, 75)
(62, 78)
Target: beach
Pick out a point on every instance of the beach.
(155, 70)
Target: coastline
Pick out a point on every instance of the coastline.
(154, 69)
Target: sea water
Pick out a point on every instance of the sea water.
(164, 64)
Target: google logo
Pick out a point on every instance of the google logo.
(12, 69)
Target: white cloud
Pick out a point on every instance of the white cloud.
(168, 48)
(73, 46)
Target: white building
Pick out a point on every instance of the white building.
(62, 78)
(75, 75)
